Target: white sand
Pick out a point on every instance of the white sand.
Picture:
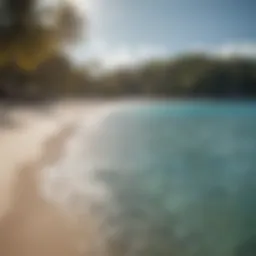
(30, 225)
(22, 143)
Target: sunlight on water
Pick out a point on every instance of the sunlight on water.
(165, 179)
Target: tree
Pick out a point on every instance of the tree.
(31, 33)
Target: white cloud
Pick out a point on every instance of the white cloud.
(228, 50)
(123, 55)
(244, 50)
(114, 57)
(108, 57)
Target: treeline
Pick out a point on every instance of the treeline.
(185, 77)
(55, 77)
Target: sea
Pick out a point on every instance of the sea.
(165, 177)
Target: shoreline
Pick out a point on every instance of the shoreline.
(31, 225)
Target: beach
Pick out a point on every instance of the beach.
(29, 224)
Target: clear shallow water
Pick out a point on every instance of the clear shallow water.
(169, 178)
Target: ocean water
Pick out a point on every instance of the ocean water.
(167, 178)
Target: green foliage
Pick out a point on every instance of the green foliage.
(187, 76)
(32, 36)
(29, 34)
(55, 77)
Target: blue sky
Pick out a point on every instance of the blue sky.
(130, 30)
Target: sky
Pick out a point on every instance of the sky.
(124, 32)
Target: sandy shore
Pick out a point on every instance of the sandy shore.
(29, 225)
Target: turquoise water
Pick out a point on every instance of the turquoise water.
(181, 178)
